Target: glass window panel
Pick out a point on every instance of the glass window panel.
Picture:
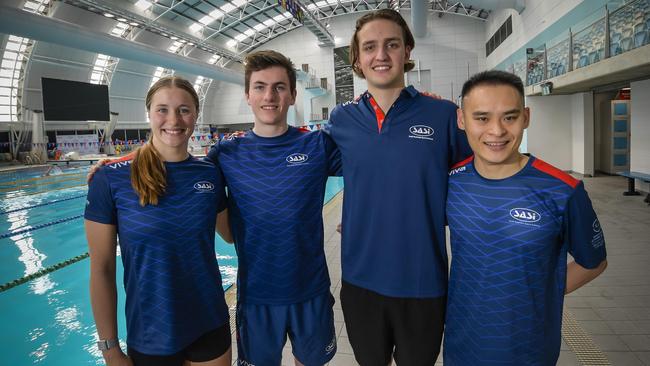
(620, 159)
(620, 142)
(620, 109)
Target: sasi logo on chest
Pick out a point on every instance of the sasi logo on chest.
(204, 186)
(525, 215)
(297, 158)
(422, 132)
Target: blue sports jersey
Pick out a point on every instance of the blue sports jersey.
(393, 239)
(509, 243)
(276, 188)
(171, 274)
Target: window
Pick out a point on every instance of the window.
(499, 36)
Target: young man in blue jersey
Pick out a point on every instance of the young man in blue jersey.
(276, 176)
(513, 218)
(397, 146)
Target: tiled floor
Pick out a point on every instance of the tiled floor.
(614, 309)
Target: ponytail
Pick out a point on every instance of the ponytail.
(148, 174)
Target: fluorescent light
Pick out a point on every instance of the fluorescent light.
(240, 37)
(239, 3)
(206, 20)
(227, 7)
(121, 20)
(269, 22)
(231, 43)
(259, 27)
(173, 38)
(109, 15)
(216, 14)
(134, 24)
(196, 27)
(249, 32)
(143, 4)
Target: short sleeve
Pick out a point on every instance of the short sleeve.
(213, 154)
(334, 167)
(582, 230)
(222, 202)
(100, 206)
(460, 149)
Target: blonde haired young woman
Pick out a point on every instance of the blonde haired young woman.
(162, 203)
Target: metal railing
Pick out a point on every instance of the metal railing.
(603, 34)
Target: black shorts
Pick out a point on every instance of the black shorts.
(380, 327)
(207, 347)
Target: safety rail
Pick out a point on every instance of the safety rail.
(604, 34)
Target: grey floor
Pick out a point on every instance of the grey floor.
(613, 310)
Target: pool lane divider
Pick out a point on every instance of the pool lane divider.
(26, 180)
(49, 183)
(40, 226)
(42, 192)
(41, 204)
(42, 272)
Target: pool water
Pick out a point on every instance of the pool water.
(48, 320)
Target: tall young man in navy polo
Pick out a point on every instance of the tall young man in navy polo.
(513, 218)
(397, 147)
(276, 176)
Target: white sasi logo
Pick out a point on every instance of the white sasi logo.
(204, 186)
(525, 215)
(297, 158)
(421, 132)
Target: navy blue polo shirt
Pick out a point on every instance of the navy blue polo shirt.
(393, 239)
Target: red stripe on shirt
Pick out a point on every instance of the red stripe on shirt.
(555, 172)
(126, 157)
(379, 114)
(461, 163)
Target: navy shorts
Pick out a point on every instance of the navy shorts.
(262, 332)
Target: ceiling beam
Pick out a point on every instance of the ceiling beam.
(41, 28)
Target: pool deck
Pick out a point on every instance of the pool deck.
(607, 322)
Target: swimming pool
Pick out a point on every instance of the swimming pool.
(48, 320)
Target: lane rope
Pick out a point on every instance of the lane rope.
(42, 272)
(41, 204)
(40, 226)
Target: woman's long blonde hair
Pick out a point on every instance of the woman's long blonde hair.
(148, 174)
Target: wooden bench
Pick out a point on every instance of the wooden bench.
(631, 177)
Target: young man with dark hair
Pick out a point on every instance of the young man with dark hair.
(513, 218)
(276, 176)
(397, 146)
